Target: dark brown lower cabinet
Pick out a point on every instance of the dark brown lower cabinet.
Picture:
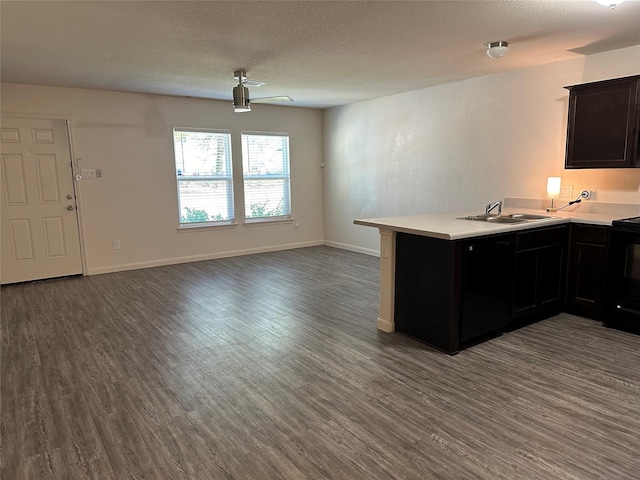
(427, 290)
(486, 286)
(588, 253)
(540, 263)
(453, 293)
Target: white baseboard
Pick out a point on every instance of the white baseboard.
(353, 248)
(386, 325)
(197, 258)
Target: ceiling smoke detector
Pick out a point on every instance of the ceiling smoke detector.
(610, 3)
(497, 49)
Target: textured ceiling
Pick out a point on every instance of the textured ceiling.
(320, 53)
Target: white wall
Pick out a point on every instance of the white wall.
(447, 148)
(456, 147)
(129, 136)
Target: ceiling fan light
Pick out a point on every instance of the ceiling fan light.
(241, 102)
(610, 3)
(497, 49)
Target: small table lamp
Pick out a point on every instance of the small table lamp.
(553, 191)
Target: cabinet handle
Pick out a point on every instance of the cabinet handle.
(628, 310)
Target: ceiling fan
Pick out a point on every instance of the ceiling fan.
(241, 101)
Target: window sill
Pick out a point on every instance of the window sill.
(205, 226)
(261, 222)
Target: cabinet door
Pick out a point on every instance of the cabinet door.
(602, 125)
(550, 275)
(525, 288)
(486, 285)
(540, 263)
(427, 290)
(587, 270)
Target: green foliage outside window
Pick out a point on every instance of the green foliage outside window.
(260, 210)
(195, 215)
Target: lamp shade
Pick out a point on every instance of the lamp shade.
(553, 187)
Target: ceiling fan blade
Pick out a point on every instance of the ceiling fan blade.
(241, 101)
(279, 99)
(252, 83)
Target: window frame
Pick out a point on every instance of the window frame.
(286, 218)
(228, 179)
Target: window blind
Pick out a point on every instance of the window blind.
(204, 176)
(265, 161)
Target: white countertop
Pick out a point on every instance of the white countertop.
(447, 226)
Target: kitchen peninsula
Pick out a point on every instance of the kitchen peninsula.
(451, 282)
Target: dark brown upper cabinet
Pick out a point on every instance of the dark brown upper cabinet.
(603, 129)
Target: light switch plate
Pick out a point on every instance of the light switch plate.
(566, 190)
(88, 173)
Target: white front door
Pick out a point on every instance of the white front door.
(39, 226)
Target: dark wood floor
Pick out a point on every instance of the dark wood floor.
(270, 367)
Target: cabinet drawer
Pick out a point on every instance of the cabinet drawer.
(590, 234)
(541, 237)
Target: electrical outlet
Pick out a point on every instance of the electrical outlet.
(116, 244)
(296, 226)
(587, 194)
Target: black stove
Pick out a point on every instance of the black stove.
(632, 224)
(622, 304)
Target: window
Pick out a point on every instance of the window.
(204, 176)
(265, 162)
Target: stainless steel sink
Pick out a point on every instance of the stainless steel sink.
(494, 219)
(527, 216)
(506, 217)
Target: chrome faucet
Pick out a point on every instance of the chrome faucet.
(493, 205)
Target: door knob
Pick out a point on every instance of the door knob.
(69, 196)
(69, 207)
